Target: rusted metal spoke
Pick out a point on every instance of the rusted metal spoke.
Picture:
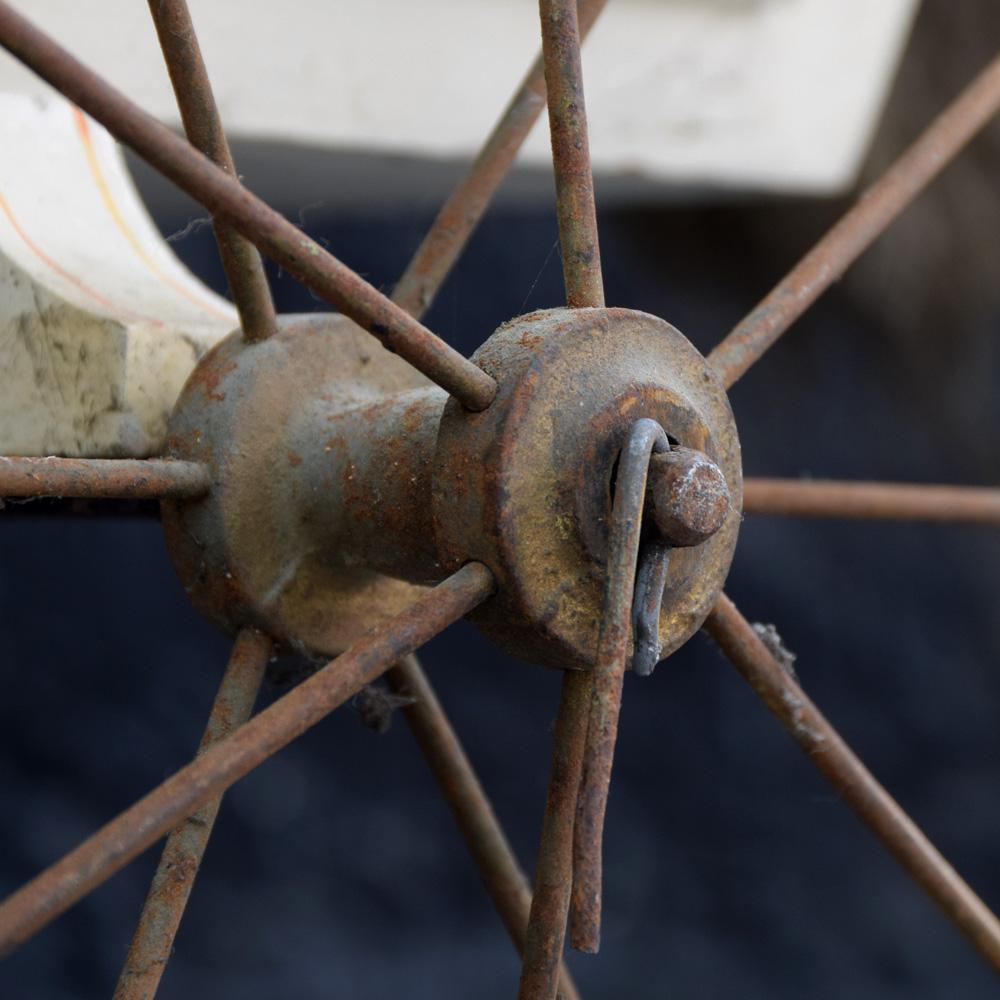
(200, 115)
(117, 843)
(174, 878)
(460, 214)
(581, 255)
(857, 230)
(852, 780)
(891, 501)
(110, 478)
(226, 198)
(606, 680)
(543, 944)
(487, 843)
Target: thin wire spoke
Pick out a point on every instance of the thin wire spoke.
(543, 946)
(110, 478)
(851, 779)
(877, 207)
(487, 843)
(131, 832)
(889, 501)
(225, 197)
(203, 126)
(460, 214)
(581, 255)
(606, 680)
(582, 276)
(174, 879)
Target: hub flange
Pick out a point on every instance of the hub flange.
(526, 485)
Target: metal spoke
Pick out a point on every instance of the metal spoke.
(581, 255)
(111, 478)
(877, 207)
(168, 895)
(200, 115)
(117, 843)
(891, 501)
(460, 214)
(852, 780)
(569, 861)
(582, 277)
(505, 882)
(543, 944)
(606, 680)
(225, 197)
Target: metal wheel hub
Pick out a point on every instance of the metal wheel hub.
(526, 486)
(293, 429)
(343, 481)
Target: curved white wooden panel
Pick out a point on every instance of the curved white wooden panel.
(99, 322)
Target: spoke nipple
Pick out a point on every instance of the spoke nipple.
(687, 496)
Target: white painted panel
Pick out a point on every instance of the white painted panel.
(773, 94)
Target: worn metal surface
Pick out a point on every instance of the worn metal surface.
(687, 502)
(650, 583)
(203, 126)
(461, 790)
(945, 137)
(644, 437)
(526, 486)
(114, 478)
(891, 501)
(114, 845)
(851, 779)
(543, 945)
(320, 446)
(226, 198)
(173, 880)
(688, 496)
(575, 207)
(338, 486)
(460, 214)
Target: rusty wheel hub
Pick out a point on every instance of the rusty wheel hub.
(526, 485)
(344, 481)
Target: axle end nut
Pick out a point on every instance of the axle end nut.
(687, 497)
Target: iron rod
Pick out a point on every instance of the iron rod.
(131, 832)
(607, 677)
(891, 501)
(173, 881)
(852, 780)
(460, 214)
(543, 944)
(871, 215)
(487, 843)
(110, 478)
(203, 126)
(582, 277)
(581, 254)
(225, 197)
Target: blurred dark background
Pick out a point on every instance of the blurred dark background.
(732, 869)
